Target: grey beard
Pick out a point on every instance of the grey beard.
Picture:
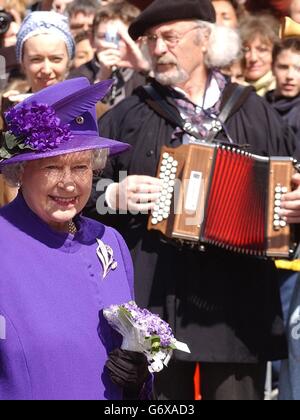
(179, 77)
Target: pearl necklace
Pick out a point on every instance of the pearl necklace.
(72, 228)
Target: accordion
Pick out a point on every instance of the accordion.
(220, 195)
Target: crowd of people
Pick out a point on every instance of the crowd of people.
(172, 64)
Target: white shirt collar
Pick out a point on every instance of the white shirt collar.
(213, 94)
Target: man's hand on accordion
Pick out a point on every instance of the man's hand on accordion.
(290, 203)
(136, 194)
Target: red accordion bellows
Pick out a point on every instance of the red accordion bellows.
(236, 208)
(224, 197)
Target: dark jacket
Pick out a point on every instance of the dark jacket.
(126, 80)
(288, 108)
(225, 306)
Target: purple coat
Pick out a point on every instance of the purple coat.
(54, 340)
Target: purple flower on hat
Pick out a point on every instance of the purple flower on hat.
(38, 125)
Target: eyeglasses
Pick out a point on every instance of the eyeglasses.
(170, 40)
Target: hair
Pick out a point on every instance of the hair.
(239, 8)
(87, 7)
(122, 10)
(17, 5)
(82, 36)
(292, 44)
(224, 45)
(264, 26)
(13, 173)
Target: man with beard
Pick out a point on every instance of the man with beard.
(225, 306)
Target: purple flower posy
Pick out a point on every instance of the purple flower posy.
(151, 323)
(144, 332)
(37, 123)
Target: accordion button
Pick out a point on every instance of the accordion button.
(154, 221)
(277, 203)
(172, 176)
(169, 196)
(277, 210)
(164, 162)
(284, 190)
(169, 166)
(170, 190)
(276, 217)
(175, 163)
(168, 202)
(160, 219)
(166, 216)
(168, 172)
(171, 184)
(166, 155)
(162, 176)
(163, 169)
(174, 170)
(283, 224)
(155, 214)
(276, 223)
(278, 196)
(278, 189)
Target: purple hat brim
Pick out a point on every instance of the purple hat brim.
(78, 143)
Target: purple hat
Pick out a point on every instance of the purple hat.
(58, 120)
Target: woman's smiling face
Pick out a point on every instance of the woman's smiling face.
(58, 188)
(45, 61)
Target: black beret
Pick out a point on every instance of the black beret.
(161, 11)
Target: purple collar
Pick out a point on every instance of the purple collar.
(23, 218)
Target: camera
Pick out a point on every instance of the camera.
(5, 21)
(112, 36)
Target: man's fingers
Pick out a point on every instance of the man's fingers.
(296, 179)
(292, 196)
(148, 189)
(139, 193)
(293, 220)
(145, 198)
(140, 208)
(289, 205)
(148, 180)
(289, 213)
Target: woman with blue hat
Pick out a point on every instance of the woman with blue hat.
(60, 270)
(45, 49)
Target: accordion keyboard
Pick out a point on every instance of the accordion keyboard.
(168, 174)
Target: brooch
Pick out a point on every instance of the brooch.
(106, 256)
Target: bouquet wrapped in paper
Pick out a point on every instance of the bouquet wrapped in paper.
(144, 332)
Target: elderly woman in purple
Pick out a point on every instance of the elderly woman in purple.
(59, 270)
